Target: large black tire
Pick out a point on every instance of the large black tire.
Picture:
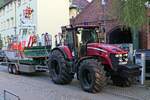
(92, 75)
(58, 68)
(121, 81)
(15, 70)
(10, 69)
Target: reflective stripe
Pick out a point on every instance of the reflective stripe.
(97, 49)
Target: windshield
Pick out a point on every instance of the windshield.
(89, 36)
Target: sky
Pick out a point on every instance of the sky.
(90, 0)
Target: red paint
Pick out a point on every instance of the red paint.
(107, 47)
(103, 51)
(18, 46)
(67, 52)
(32, 40)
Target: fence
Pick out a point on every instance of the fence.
(6, 95)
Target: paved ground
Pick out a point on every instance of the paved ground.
(39, 87)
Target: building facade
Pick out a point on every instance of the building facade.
(7, 21)
(21, 18)
(76, 6)
(96, 13)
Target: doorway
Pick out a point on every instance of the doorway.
(119, 35)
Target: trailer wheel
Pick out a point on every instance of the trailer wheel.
(15, 70)
(10, 69)
(92, 75)
(58, 68)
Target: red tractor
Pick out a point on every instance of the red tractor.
(91, 61)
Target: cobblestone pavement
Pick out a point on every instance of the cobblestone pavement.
(39, 87)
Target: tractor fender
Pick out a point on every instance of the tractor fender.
(106, 60)
(65, 51)
(100, 53)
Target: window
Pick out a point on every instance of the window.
(4, 25)
(25, 31)
(0, 26)
(24, 2)
(8, 23)
(0, 12)
(7, 8)
(18, 3)
(89, 36)
(11, 6)
(12, 22)
(69, 40)
(3, 11)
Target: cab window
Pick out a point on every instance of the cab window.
(89, 36)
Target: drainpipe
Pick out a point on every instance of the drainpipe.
(148, 33)
(15, 19)
(135, 37)
(103, 3)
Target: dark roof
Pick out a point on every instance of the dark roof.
(80, 3)
(93, 13)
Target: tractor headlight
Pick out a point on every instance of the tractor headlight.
(126, 55)
(120, 55)
(117, 55)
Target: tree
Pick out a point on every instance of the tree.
(1, 3)
(133, 14)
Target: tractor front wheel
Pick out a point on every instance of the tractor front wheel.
(92, 75)
(58, 68)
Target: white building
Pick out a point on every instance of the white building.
(7, 21)
(24, 17)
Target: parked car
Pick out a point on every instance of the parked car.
(2, 56)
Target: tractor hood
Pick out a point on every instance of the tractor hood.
(109, 48)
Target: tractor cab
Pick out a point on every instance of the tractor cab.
(84, 41)
(77, 38)
(81, 53)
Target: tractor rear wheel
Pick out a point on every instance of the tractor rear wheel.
(58, 68)
(92, 75)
